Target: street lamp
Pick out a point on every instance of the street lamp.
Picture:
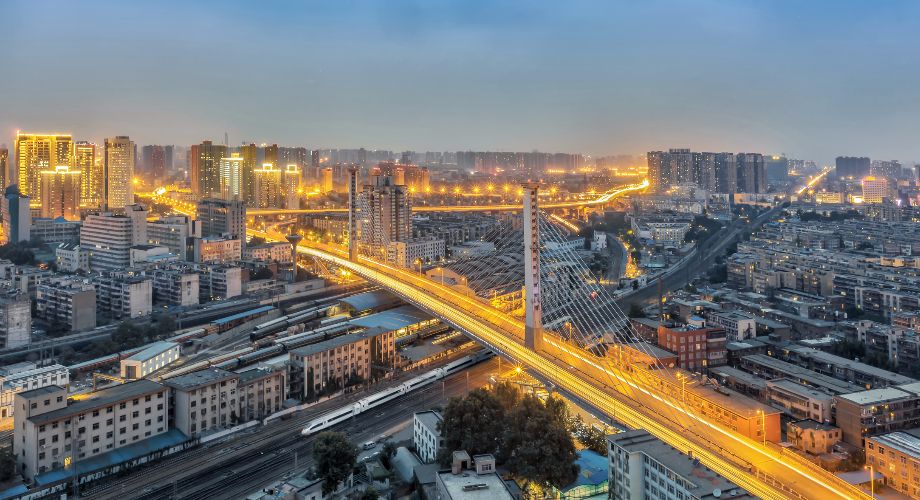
(871, 479)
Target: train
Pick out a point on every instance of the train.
(340, 415)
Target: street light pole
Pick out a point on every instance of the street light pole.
(871, 479)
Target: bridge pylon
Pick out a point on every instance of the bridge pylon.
(352, 213)
(533, 318)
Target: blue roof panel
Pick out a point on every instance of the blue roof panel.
(392, 319)
(234, 317)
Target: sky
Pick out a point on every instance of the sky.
(812, 79)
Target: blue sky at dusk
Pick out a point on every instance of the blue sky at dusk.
(812, 79)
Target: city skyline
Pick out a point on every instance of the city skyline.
(429, 77)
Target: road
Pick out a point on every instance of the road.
(762, 470)
(247, 463)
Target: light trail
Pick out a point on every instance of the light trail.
(815, 180)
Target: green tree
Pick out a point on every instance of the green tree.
(166, 325)
(507, 394)
(128, 335)
(7, 465)
(469, 424)
(537, 444)
(335, 458)
(635, 311)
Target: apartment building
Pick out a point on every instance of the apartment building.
(261, 392)
(737, 326)
(425, 435)
(51, 432)
(176, 287)
(15, 319)
(269, 252)
(877, 411)
(173, 233)
(71, 257)
(812, 437)
(211, 249)
(337, 362)
(897, 456)
(204, 401)
(642, 467)
(122, 296)
(696, 348)
(26, 376)
(68, 302)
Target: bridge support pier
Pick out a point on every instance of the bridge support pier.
(352, 214)
(533, 319)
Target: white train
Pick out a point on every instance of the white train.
(334, 417)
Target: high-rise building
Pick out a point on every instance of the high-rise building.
(386, 213)
(205, 172)
(752, 177)
(875, 189)
(155, 162)
(726, 173)
(291, 186)
(267, 186)
(325, 183)
(119, 172)
(890, 170)
(4, 165)
(250, 155)
(37, 152)
(704, 166)
(17, 216)
(681, 168)
(222, 217)
(855, 167)
(60, 192)
(108, 238)
(92, 175)
(231, 173)
(777, 168)
(270, 155)
(659, 171)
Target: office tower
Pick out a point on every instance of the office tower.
(222, 217)
(776, 168)
(60, 192)
(875, 189)
(37, 152)
(751, 175)
(154, 161)
(325, 183)
(386, 212)
(267, 186)
(170, 160)
(659, 171)
(890, 170)
(424, 180)
(92, 175)
(17, 216)
(270, 155)
(231, 173)
(681, 166)
(291, 186)
(205, 172)
(4, 165)
(250, 155)
(119, 172)
(726, 173)
(704, 166)
(855, 167)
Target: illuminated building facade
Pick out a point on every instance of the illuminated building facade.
(92, 175)
(250, 155)
(119, 172)
(874, 189)
(204, 172)
(267, 186)
(291, 185)
(37, 152)
(60, 192)
(231, 177)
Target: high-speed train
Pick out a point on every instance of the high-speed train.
(342, 414)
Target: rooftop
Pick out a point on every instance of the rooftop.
(802, 374)
(332, 343)
(703, 480)
(370, 300)
(153, 350)
(799, 389)
(392, 319)
(471, 486)
(99, 399)
(251, 374)
(833, 359)
(907, 442)
(200, 378)
(875, 396)
(429, 419)
(813, 424)
(244, 314)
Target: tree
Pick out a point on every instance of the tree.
(591, 438)
(469, 424)
(128, 335)
(335, 458)
(263, 273)
(7, 466)
(537, 444)
(507, 394)
(635, 311)
(166, 325)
